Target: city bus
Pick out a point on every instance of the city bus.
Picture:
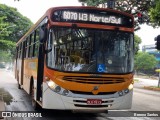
(78, 59)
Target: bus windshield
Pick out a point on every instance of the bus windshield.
(90, 50)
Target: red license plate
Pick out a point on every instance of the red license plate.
(94, 101)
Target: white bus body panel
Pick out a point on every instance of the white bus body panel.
(52, 100)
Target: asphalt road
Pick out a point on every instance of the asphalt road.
(19, 100)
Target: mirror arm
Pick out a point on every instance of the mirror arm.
(47, 51)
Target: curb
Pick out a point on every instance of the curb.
(2, 108)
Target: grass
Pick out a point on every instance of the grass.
(136, 80)
(155, 86)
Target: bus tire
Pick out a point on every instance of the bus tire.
(35, 105)
(19, 86)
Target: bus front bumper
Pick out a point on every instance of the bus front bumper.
(77, 102)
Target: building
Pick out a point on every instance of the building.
(151, 50)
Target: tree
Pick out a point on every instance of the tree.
(149, 9)
(5, 56)
(155, 14)
(12, 27)
(6, 45)
(12, 17)
(137, 41)
(130, 6)
(145, 62)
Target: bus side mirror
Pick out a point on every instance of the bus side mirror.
(43, 34)
(43, 30)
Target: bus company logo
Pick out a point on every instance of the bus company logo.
(95, 90)
(95, 87)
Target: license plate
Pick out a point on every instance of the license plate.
(94, 101)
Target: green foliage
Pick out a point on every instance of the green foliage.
(13, 26)
(145, 61)
(92, 2)
(130, 6)
(137, 41)
(5, 56)
(10, 17)
(3, 25)
(7, 45)
(155, 14)
(150, 8)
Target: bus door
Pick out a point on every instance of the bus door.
(20, 64)
(41, 55)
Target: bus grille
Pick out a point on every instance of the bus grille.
(93, 80)
(90, 93)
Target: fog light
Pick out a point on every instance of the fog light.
(126, 91)
(120, 93)
(57, 89)
(65, 92)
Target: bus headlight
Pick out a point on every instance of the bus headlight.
(130, 87)
(54, 86)
(51, 84)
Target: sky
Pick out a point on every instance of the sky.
(34, 9)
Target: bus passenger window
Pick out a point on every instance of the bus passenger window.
(27, 47)
(16, 52)
(30, 46)
(34, 36)
(24, 45)
(36, 44)
(20, 48)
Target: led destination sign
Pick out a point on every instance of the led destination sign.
(92, 16)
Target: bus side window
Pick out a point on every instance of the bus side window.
(36, 44)
(50, 55)
(19, 51)
(34, 37)
(31, 45)
(16, 52)
(27, 47)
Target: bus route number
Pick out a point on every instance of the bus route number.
(75, 16)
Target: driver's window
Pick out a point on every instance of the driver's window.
(50, 46)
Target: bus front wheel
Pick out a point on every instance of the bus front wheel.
(35, 105)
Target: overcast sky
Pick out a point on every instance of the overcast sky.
(34, 9)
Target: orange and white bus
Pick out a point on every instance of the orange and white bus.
(78, 58)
